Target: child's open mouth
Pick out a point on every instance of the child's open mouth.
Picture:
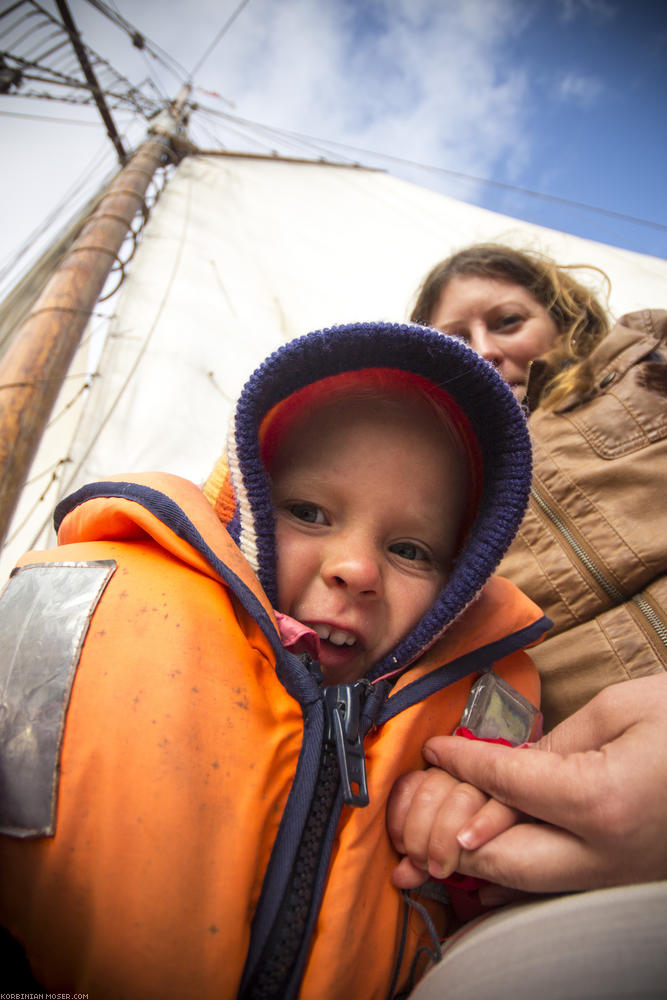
(336, 636)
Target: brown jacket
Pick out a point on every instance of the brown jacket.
(592, 548)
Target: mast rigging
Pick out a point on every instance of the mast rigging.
(35, 364)
(89, 74)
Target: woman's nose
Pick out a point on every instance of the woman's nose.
(484, 344)
(354, 565)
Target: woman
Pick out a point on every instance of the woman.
(591, 550)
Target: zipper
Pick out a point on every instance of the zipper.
(647, 613)
(275, 967)
(605, 584)
(652, 616)
(341, 762)
(343, 703)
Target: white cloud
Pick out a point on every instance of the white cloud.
(597, 10)
(580, 89)
(425, 80)
(417, 78)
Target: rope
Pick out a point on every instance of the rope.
(40, 500)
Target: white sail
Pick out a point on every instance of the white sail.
(240, 254)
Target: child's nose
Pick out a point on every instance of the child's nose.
(353, 566)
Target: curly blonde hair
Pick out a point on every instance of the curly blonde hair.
(575, 309)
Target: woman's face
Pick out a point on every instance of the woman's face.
(501, 321)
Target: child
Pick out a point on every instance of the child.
(197, 784)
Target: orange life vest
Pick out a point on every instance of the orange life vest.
(188, 766)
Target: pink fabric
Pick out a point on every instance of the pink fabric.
(297, 637)
(469, 735)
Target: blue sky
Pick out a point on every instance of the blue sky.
(598, 114)
(563, 97)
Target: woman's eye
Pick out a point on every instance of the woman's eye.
(459, 332)
(308, 512)
(410, 551)
(512, 319)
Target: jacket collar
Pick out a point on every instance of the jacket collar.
(631, 339)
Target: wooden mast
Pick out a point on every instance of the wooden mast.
(33, 368)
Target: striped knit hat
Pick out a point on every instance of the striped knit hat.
(485, 415)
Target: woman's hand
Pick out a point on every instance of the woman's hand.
(598, 783)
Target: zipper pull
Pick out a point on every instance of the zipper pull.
(342, 703)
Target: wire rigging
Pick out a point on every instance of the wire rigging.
(327, 146)
(83, 184)
(217, 38)
(91, 79)
(36, 48)
(48, 118)
(140, 40)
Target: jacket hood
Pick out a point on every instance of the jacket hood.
(239, 487)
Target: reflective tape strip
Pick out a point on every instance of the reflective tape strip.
(45, 611)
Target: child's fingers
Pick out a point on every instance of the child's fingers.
(407, 876)
(428, 801)
(493, 818)
(462, 802)
(399, 805)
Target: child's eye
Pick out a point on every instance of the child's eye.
(304, 511)
(410, 551)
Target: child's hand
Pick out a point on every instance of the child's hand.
(432, 817)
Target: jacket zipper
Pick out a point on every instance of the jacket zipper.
(652, 616)
(343, 703)
(649, 618)
(341, 762)
(275, 967)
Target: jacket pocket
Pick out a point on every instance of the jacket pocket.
(617, 645)
(630, 415)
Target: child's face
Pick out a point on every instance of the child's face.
(369, 498)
